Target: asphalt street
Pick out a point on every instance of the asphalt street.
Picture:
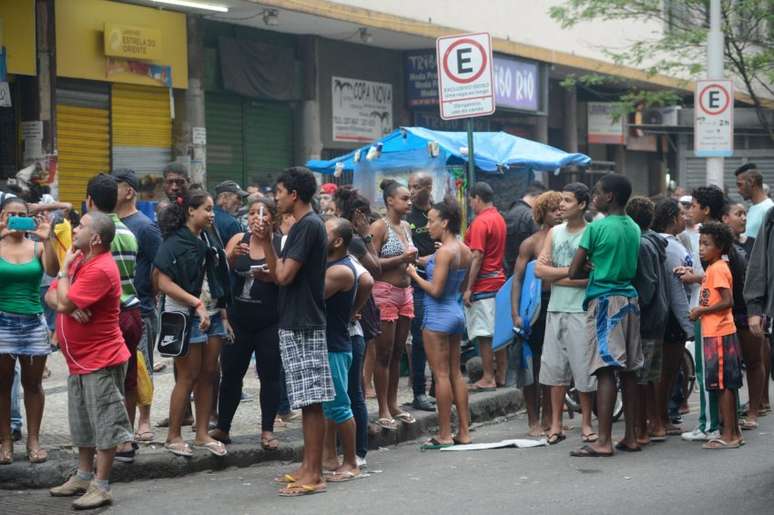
(670, 477)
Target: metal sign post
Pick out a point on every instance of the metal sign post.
(471, 154)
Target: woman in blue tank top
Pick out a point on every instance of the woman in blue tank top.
(444, 321)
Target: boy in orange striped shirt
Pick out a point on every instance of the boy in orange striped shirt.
(722, 356)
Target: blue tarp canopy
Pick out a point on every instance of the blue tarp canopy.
(407, 149)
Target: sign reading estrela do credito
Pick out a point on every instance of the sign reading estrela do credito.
(132, 42)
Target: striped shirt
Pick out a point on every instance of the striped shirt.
(124, 250)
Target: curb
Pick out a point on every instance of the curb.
(155, 462)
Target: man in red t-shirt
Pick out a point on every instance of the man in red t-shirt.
(87, 297)
(486, 239)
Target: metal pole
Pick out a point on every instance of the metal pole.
(715, 43)
(471, 158)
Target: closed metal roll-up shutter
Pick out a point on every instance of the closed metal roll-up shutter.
(696, 168)
(142, 128)
(268, 129)
(225, 158)
(83, 140)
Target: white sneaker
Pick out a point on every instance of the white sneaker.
(697, 435)
(361, 462)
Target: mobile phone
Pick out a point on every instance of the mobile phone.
(22, 223)
(260, 214)
(264, 268)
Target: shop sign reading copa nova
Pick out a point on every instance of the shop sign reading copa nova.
(516, 82)
(362, 109)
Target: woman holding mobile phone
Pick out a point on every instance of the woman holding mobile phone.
(393, 294)
(23, 330)
(254, 316)
(189, 265)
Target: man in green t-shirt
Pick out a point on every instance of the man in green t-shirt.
(609, 248)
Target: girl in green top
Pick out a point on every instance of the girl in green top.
(23, 330)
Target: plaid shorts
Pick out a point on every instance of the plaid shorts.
(653, 353)
(307, 371)
(96, 410)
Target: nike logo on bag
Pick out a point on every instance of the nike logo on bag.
(168, 340)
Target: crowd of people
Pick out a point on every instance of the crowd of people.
(325, 293)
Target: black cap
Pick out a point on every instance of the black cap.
(128, 176)
(230, 187)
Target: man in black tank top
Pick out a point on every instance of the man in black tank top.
(340, 290)
(420, 187)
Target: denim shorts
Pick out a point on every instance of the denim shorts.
(216, 329)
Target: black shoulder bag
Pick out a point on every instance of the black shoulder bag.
(174, 332)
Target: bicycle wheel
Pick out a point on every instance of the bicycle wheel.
(688, 368)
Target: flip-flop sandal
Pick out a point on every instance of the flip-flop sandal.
(266, 444)
(285, 478)
(179, 449)
(405, 417)
(434, 445)
(341, 477)
(38, 455)
(588, 451)
(387, 423)
(589, 438)
(216, 448)
(457, 441)
(297, 490)
(625, 448)
(748, 425)
(144, 437)
(657, 438)
(717, 443)
(674, 431)
(555, 438)
(474, 388)
(224, 439)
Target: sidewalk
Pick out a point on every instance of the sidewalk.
(153, 461)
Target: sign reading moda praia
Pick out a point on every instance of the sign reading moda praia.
(362, 110)
(516, 82)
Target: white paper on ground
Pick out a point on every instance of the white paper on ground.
(518, 443)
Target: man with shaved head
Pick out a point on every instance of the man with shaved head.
(87, 298)
(749, 182)
(420, 187)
